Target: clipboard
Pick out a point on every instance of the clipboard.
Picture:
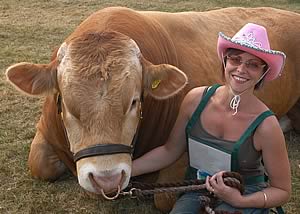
(208, 159)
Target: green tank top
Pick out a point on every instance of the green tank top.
(245, 159)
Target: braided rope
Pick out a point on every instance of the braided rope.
(231, 179)
(140, 193)
(145, 186)
(141, 190)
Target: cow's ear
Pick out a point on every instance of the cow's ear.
(162, 81)
(33, 79)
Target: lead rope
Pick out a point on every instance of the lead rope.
(143, 190)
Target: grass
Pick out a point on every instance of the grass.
(29, 31)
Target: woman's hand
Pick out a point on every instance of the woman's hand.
(216, 185)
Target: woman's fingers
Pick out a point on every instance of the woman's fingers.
(208, 185)
(219, 179)
(216, 182)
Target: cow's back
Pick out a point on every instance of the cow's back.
(196, 35)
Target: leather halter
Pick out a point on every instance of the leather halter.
(101, 149)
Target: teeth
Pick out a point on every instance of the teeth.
(239, 78)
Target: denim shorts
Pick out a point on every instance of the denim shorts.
(189, 203)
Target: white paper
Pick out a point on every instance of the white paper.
(208, 159)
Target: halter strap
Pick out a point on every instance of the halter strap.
(102, 149)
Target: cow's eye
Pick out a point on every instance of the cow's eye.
(131, 107)
(133, 104)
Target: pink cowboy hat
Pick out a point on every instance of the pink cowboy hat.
(253, 39)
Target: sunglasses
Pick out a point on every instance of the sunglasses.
(251, 65)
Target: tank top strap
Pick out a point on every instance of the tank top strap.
(209, 91)
(246, 134)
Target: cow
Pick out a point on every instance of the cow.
(122, 74)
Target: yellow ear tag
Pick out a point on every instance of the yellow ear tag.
(155, 84)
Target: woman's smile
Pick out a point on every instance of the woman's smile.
(239, 79)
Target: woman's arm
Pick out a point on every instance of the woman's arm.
(175, 146)
(271, 140)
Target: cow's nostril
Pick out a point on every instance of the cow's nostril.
(107, 183)
(91, 176)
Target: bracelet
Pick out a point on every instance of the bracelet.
(265, 199)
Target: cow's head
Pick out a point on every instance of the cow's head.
(101, 78)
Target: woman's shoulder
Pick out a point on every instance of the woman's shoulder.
(196, 91)
(195, 94)
(268, 133)
(269, 127)
(192, 99)
(270, 121)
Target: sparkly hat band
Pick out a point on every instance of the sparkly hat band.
(249, 42)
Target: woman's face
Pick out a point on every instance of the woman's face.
(243, 71)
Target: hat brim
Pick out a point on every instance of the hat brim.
(274, 59)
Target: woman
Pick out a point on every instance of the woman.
(227, 128)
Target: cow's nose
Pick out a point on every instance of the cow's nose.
(108, 182)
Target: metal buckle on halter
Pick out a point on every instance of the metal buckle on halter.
(131, 193)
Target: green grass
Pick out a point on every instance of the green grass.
(29, 31)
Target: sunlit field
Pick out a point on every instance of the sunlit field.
(29, 31)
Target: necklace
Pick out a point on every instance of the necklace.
(234, 103)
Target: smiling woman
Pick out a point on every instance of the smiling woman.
(25, 25)
(253, 135)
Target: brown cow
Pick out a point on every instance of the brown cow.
(103, 67)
